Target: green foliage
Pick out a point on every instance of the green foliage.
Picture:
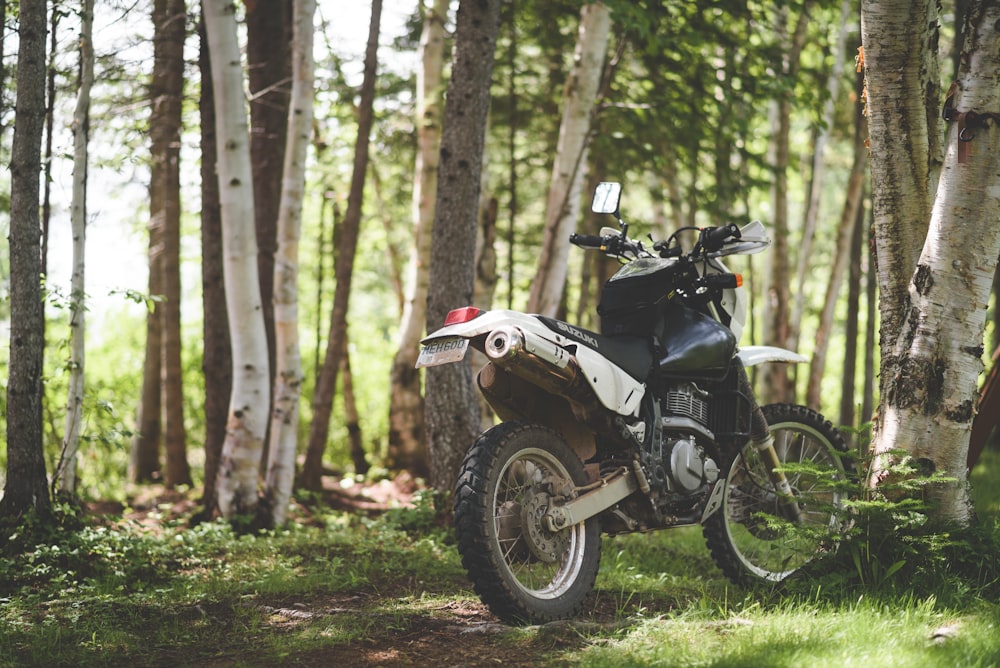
(890, 546)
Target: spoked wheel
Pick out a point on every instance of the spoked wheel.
(745, 540)
(520, 569)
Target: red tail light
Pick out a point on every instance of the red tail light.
(460, 315)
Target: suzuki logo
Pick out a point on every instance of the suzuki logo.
(576, 333)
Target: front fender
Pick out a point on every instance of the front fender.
(754, 355)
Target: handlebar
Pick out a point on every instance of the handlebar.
(586, 240)
(713, 238)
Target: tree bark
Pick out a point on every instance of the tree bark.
(407, 447)
(26, 487)
(217, 366)
(66, 470)
(776, 384)
(903, 107)
(323, 399)
(167, 92)
(288, 377)
(236, 485)
(848, 398)
(931, 388)
(269, 70)
(562, 206)
(452, 411)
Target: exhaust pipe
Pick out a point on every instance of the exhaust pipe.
(534, 359)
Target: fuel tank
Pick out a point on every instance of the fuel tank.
(695, 345)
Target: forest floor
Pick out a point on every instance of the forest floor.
(448, 629)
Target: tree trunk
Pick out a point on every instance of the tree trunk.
(407, 447)
(562, 206)
(931, 375)
(26, 487)
(848, 398)
(352, 418)
(236, 485)
(900, 38)
(841, 260)
(452, 411)
(288, 376)
(777, 386)
(818, 178)
(988, 412)
(66, 470)
(269, 73)
(167, 91)
(323, 399)
(217, 366)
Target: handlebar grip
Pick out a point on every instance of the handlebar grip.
(714, 237)
(586, 240)
(722, 281)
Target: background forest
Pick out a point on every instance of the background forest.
(709, 115)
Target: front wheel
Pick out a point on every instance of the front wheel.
(748, 537)
(520, 569)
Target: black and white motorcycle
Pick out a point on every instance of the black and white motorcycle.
(650, 424)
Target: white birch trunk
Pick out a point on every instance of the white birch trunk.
(931, 398)
(248, 405)
(66, 474)
(288, 358)
(562, 207)
(406, 408)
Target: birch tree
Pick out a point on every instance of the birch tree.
(337, 340)
(407, 448)
(236, 485)
(26, 487)
(562, 206)
(929, 376)
(66, 471)
(452, 410)
(288, 375)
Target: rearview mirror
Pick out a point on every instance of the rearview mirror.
(607, 195)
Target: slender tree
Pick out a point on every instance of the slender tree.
(161, 411)
(236, 484)
(167, 93)
(288, 376)
(407, 447)
(323, 399)
(269, 35)
(841, 259)
(562, 207)
(776, 384)
(26, 487)
(452, 411)
(66, 470)
(217, 367)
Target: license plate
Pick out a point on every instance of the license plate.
(442, 351)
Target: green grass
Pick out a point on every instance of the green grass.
(353, 591)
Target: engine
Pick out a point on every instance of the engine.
(674, 460)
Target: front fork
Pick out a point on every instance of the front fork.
(786, 498)
(760, 436)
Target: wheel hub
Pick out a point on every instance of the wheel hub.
(543, 544)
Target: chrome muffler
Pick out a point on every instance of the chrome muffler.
(532, 358)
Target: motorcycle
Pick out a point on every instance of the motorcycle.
(650, 424)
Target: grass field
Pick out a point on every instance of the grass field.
(342, 589)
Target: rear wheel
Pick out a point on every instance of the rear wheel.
(747, 538)
(520, 569)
